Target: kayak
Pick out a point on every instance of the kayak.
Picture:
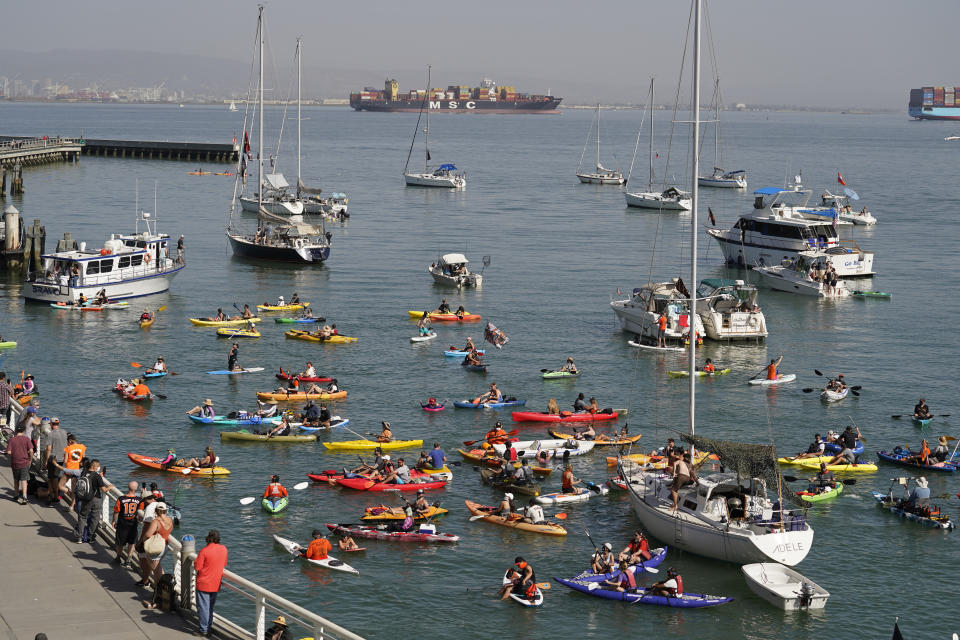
(222, 323)
(365, 484)
(565, 416)
(329, 562)
(155, 374)
(699, 374)
(396, 513)
(381, 532)
(783, 379)
(866, 467)
(903, 458)
(461, 354)
(834, 448)
(480, 456)
(418, 338)
(883, 295)
(246, 436)
(800, 461)
(467, 404)
(287, 376)
(299, 395)
(833, 396)
(358, 445)
(119, 306)
(227, 372)
(829, 494)
(133, 398)
(434, 408)
(556, 375)
(644, 596)
(657, 556)
(582, 494)
(514, 520)
(274, 505)
(297, 320)
(285, 307)
(527, 601)
(446, 317)
(601, 440)
(487, 476)
(651, 347)
(296, 334)
(8, 345)
(921, 422)
(552, 448)
(154, 463)
(478, 368)
(147, 323)
(335, 421)
(936, 519)
(327, 476)
(234, 421)
(227, 332)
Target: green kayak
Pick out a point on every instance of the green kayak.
(700, 374)
(553, 375)
(871, 294)
(820, 497)
(246, 436)
(274, 505)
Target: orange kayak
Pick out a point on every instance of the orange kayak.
(154, 463)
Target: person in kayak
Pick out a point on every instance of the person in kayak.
(275, 490)
(386, 435)
(533, 513)
(708, 366)
(553, 409)
(847, 442)
(460, 312)
(232, 364)
(672, 586)
(626, 581)
(579, 405)
(473, 358)
(942, 452)
(283, 428)
(444, 307)
(204, 411)
(506, 507)
(266, 409)
(837, 384)
(493, 395)
(421, 506)
(523, 475)
(146, 316)
(522, 579)
(921, 411)
(160, 366)
(593, 407)
(295, 299)
(140, 390)
(306, 313)
(423, 324)
(919, 496)
(662, 330)
(588, 433)
(569, 366)
(399, 475)
(319, 547)
(246, 314)
(603, 560)
(567, 481)
(823, 481)
(169, 460)
(311, 414)
(815, 450)
(923, 457)
(636, 551)
(280, 302)
(496, 435)
(308, 372)
(346, 543)
(206, 461)
(220, 317)
(438, 459)
(100, 298)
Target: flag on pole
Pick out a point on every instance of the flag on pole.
(428, 156)
(840, 179)
(713, 220)
(494, 336)
(246, 142)
(836, 219)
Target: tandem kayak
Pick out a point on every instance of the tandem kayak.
(246, 436)
(480, 456)
(329, 562)
(426, 533)
(299, 395)
(90, 307)
(362, 445)
(833, 396)
(699, 374)
(228, 332)
(644, 596)
(557, 375)
(446, 317)
(274, 505)
(829, 494)
(781, 379)
(467, 404)
(295, 334)
(283, 375)
(365, 484)
(904, 459)
(657, 556)
(565, 416)
(601, 440)
(397, 513)
(581, 494)
(514, 520)
(936, 519)
(460, 354)
(154, 463)
(297, 320)
(285, 307)
(235, 421)
(227, 372)
(197, 322)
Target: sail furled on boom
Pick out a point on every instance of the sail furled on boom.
(302, 188)
(746, 460)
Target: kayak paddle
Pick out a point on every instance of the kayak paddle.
(560, 516)
(297, 487)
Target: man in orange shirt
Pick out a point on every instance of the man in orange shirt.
(73, 455)
(318, 548)
(210, 563)
(140, 390)
(662, 330)
(275, 489)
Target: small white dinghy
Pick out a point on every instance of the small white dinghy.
(582, 495)
(833, 396)
(783, 587)
(430, 336)
(782, 379)
(650, 347)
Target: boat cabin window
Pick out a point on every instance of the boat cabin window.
(124, 262)
(136, 260)
(758, 202)
(93, 267)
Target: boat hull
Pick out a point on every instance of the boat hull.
(546, 106)
(306, 254)
(722, 183)
(642, 323)
(276, 207)
(597, 178)
(652, 200)
(430, 180)
(746, 253)
(781, 587)
(146, 285)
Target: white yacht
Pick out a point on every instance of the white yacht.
(720, 178)
(601, 175)
(445, 175)
(127, 266)
(729, 311)
(640, 313)
(793, 276)
(778, 228)
(451, 269)
(275, 198)
(838, 205)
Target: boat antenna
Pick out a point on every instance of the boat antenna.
(692, 311)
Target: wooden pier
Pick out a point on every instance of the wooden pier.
(32, 151)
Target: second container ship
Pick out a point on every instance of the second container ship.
(487, 98)
(935, 103)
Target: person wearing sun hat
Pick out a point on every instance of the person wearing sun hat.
(942, 452)
(279, 630)
(920, 495)
(204, 411)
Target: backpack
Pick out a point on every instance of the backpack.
(84, 490)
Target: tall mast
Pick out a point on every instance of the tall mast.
(299, 64)
(650, 186)
(694, 229)
(426, 143)
(598, 136)
(260, 128)
(716, 125)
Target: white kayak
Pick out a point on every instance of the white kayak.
(650, 347)
(833, 396)
(582, 495)
(783, 379)
(294, 549)
(523, 600)
(426, 338)
(553, 448)
(226, 372)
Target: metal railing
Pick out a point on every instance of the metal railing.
(34, 144)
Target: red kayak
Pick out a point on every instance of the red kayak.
(363, 484)
(565, 416)
(326, 476)
(286, 376)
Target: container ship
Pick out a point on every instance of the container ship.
(487, 98)
(935, 103)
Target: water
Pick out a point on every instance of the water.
(558, 250)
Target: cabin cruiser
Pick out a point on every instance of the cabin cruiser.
(276, 199)
(639, 313)
(441, 177)
(794, 276)
(729, 311)
(671, 199)
(127, 266)
(777, 228)
(838, 205)
(451, 269)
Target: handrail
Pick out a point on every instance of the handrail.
(29, 144)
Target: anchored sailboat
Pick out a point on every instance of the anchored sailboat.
(601, 175)
(721, 178)
(445, 175)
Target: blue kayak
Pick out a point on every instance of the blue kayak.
(274, 505)
(466, 404)
(901, 457)
(235, 421)
(334, 422)
(657, 556)
(155, 374)
(460, 354)
(642, 596)
(226, 372)
(835, 448)
(297, 320)
(921, 422)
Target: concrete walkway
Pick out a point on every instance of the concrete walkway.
(53, 585)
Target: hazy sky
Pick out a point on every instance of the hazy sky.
(809, 52)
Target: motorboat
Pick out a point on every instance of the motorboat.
(639, 313)
(601, 175)
(783, 587)
(720, 178)
(451, 269)
(445, 175)
(274, 198)
(838, 205)
(793, 276)
(301, 242)
(729, 311)
(777, 228)
(127, 266)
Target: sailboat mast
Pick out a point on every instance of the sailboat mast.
(598, 136)
(694, 229)
(716, 125)
(260, 127)
(650, 185)
(426, 137)
(299, 65)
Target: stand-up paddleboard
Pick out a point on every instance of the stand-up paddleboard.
(650, 347)
(426, 338)
(787, 377)
(224, 372)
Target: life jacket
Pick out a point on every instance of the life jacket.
(207, 411)
(709, 368)
(679, 590)
(275, 490)
(924, 451)
(512, 454)
(497, 436)
(631, 580)
(771, 372)
(531, 591)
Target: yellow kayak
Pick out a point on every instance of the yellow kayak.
(286, 307)
(865, 467)
(657, 462)
(230, 332)
(802, 461)
(299, 395)
(309, 337)
(357, 445)
(222, 323)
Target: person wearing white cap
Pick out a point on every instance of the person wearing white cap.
(506, 506)
(603, 560)
(920, 495)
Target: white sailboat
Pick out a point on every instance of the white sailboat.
(601, 175)
(671, 198)
(233, 106)
(445, 175)
(721, 178)
(726, 516)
